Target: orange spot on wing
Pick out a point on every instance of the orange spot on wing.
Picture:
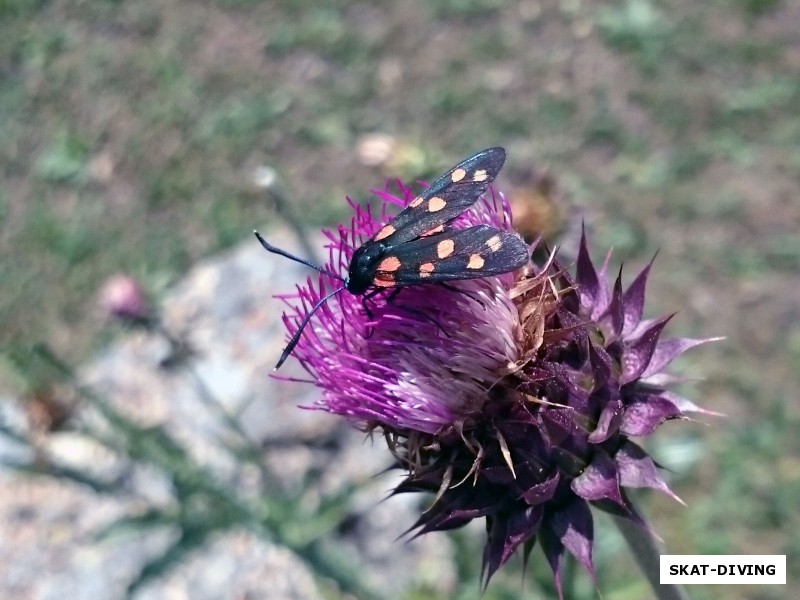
(415, 202)
(436, 204)
(445, 248)
(475, 261)
(480, 175)
(457, 175)
(494, 243)
(384, 233)
(390, 264)
(383, 280)
(425, 269)
(437, 229)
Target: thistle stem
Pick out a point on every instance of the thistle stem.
(646, 551)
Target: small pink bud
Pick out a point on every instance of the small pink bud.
(123, 298)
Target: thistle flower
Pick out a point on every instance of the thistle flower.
(512, 398)
(122, 297)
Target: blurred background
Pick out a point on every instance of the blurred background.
(144, 137)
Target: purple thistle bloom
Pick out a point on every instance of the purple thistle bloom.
(512, 397)
(122, 297)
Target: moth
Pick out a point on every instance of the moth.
(420, 246)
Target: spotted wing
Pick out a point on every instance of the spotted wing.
(445, 199)
(469, 253)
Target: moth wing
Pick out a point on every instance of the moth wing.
(470, 253)
(446, 198)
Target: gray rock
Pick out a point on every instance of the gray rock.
(49, 544)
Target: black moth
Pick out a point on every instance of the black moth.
(418, 246)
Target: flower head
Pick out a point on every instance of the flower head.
(122, 297)
(512, 398)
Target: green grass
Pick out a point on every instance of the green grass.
(130, 131)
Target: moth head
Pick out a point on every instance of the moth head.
(362, 267)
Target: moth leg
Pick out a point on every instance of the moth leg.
(393, 295)
(369, 296)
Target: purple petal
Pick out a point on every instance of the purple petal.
(612, 319)
(636, 469)
(598, 480)
(570, 528)
(505, 534)
(646, 413)
(449, 514)
(575, 526)
(526, 552)
(609, 422)
(560, 426)
(637, 354)
(542, 492)
(428, 481)
(633, 301)
(667, 350)
(441, 523)
(662, 380)
(554, 553)
(601, 365)
(627, 510)
(687, 406)
(593, 292)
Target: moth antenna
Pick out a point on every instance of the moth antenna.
(296, 337)
(270, 248)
